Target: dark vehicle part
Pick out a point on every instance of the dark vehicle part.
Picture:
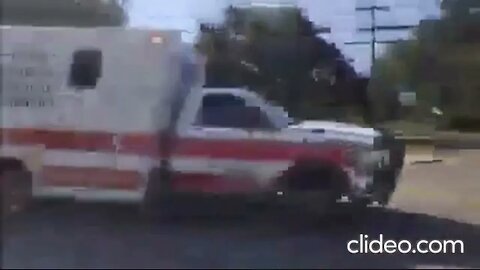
(312, 187)
(385, 178)
(158, 198)
(15, 187)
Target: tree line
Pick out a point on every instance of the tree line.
(279, 53)
(441, 64)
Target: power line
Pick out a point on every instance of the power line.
(387, 27)
(374, 28)
(393, 41)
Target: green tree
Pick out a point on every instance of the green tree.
(440, 64)
(79, 13)
(278, 53)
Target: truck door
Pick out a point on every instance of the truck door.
(225, 146)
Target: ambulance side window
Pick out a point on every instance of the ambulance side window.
(230, 111)
(85, 69)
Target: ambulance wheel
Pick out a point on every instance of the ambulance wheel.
(349, 213)
(16, 187)
(314, 187)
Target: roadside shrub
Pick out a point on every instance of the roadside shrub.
(465, 123)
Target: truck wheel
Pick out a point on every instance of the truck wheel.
(314, 188)
(349, 213)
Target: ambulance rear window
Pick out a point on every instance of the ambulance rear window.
(86, 69)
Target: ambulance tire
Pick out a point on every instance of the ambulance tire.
(335, 183)
(322, 182)
(350, 213)
(15, 187)
(158, 199)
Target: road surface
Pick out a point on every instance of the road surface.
(428, 205)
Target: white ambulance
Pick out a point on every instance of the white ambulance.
(113, 114)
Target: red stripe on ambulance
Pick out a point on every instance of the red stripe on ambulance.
(101, 178)
(147, 145)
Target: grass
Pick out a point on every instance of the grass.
(409, 128)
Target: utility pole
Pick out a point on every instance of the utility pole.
(373, 28)
(373, 42)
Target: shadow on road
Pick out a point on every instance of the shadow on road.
(76, 236)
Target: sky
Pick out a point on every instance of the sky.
(339, 15)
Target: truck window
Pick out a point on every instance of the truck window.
(230, 111)
(86, 69)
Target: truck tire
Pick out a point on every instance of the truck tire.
(334, 183)
(349, 213)
(313, 187)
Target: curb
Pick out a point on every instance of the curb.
(460, 143)
(426, 161)
(415, 138)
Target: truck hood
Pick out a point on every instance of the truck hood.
(339, 130)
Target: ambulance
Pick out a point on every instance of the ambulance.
(121, 115)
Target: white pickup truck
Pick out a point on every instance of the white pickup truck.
(108, 114)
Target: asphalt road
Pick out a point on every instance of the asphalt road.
(438, 201)
(100, 236)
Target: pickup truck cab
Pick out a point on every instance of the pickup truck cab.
(232, 141)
